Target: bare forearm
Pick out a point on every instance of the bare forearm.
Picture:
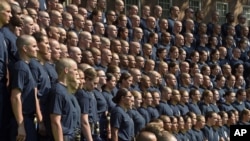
(16, 104)
(38, 110)
(86, 130)
(57, 131)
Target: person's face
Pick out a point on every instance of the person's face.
(63, 37)
(90, 58)
(92, 84)
(117, 47)
(131, 62)
(88, 26)
(139, 34)
(231, 97)
(174, 127)
(125, 48)
(98, 17)
(68, 21)
(101, 29)
(77, 56)
(156, 98)
(120, 6)
(87, 41)
(112, 83)
(231, 82)
(129, 100)
(123, 22)
(197, 96)
(74, 40)
(117, 74)
(124, 34)
(176, 12)
(188, 124)
(17, 16)
(81, 79)
(138, 101)
(115, 60)
(55, 51)
(224, 119)
(45, 19)
(53, 4)
(28, 28)
(151, 23)
(31, 49)
(136, 22)
(148, 99)
(127, 83)
(64, 52)
(92, 3)
(17, 30)
(96, 43)
(57, 19)
(111, 17)
(44, 49)
(140, 63)
(202, 122)
(55, 34)
(146, 11)
(147, 82)
(147, 51)
(97, 57)
(210, 97)
(72, 73)
(5, 14)
(137, 76)
(113, 32)
(214, 119)
(108, 56)
(181, 123)
(102, 78)
(185, 97)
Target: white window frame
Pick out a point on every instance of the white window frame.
(247, 13)
(221, 14)
(195, 8)
(165, 10)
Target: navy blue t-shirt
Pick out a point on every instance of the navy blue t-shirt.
(121, 120)
(22, 79)
(164, 109)
(139, 121)
(42, 80)
(102, 105)
(51, 72)
(88, 104)
(61, 104)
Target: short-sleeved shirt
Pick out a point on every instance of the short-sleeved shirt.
(61, 104)
(22, 79)
(164, 109)
(102, 105)
(121, 120)
(108, 97)
(42, 80)
(51, 72)
(143, 111)
(88, 104)
(139, 121)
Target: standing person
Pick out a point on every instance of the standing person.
(24, 99)
(122, 126)
(5, 15)
(63, 107)
(88, 104)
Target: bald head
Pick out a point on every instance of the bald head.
(146, 136)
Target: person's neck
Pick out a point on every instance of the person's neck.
(89, 9)
(25, 58)
(40, 59)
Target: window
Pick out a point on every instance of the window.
(195, 4)
(222, 8)
(246, 11)
(128, 3)
(165, 4)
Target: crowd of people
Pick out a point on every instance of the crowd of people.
(81, 72)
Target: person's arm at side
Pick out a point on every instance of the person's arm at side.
(56, 127)
(16, 104)
(38, 110)
(86, 130)
(114, 134)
